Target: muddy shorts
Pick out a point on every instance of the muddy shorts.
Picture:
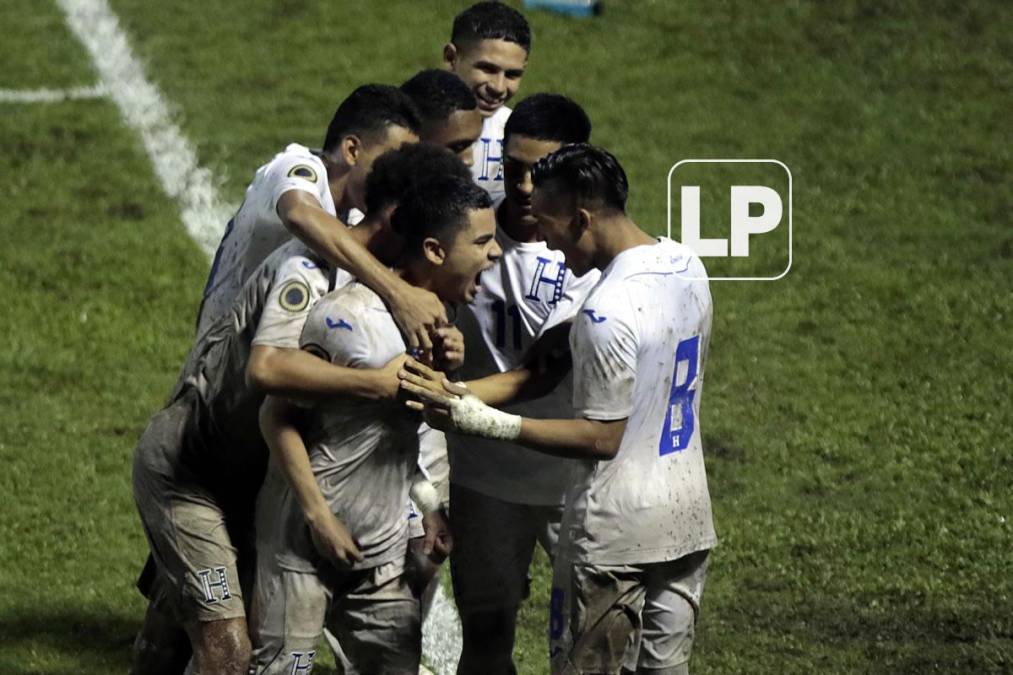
(603, 617)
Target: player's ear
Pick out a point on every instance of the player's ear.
(351, 148)
(581, 223)
(450, 55)
(433, 250)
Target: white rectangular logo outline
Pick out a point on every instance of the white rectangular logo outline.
(738, 161)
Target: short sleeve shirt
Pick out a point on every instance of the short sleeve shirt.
(639, 348)
(256, 230)
(487, 169)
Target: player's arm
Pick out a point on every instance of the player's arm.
(458, 410)
(415, 310)
(331, 538)
(300, 374)
(547, 363)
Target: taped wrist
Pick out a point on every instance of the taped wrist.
(471, 416)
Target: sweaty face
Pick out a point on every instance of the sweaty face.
(557, 217)
(521, 153)
(368, 152)
(491, 68)
(473, 250)
(456, 133)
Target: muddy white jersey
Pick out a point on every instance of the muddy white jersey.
(362, 451)
(487, 154)
(256, 229)
(528, 287)
(639, 348)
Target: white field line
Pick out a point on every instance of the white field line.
(146, 112)
(51, 95)
(204, 214)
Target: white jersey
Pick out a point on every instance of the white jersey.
(528, 287)
(639, 347)
(256, 230)
(488, 155)
(362, 452)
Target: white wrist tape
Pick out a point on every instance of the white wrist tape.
(425, 496)
(471, 416)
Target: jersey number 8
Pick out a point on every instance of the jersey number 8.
(679, 421)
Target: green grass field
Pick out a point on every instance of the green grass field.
(857, 419)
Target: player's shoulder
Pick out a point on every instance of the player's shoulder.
(294, 258)
(298, 162)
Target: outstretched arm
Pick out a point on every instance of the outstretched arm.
(416, 311)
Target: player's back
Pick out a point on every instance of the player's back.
(362, 451)
(256, 230)
(639, 346)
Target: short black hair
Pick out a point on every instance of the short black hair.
(368, 111)
(437, 207)
(491, 21)
(549, 117)
(590, 173)
(437, 94)
(396, 171)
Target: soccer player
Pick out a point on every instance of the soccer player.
(488, 50)
(448, 111)
(637, 525)
(200, 463)
(505, 497)
(360, 458)
(305, 193)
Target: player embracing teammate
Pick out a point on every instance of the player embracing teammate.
(542, 269)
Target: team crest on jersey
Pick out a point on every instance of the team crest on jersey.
(303, 171)
(294, 297)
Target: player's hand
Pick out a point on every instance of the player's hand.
(449, 348)
(438, 541)
(418, 313)
(450, 406)
(332, 540)
(387, 381)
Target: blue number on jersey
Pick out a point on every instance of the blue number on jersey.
(679, 422)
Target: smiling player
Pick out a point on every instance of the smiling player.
(488, 50)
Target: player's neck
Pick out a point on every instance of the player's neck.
(418, 273)
(337, 179)
(509, 220)
(615, 234)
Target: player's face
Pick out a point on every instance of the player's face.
(472, 251)
(558, 219)
(491, 68)
(368, 152)
(457, 133)
(521, 153)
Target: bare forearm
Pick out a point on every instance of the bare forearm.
(293, 372)
(332, 239)
(572, 438)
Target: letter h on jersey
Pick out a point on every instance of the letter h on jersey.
(540, 278)
(491, 160)
(212, 580)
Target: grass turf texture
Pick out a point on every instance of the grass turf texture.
(856, 414)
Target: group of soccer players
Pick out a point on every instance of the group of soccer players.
(299, 482)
